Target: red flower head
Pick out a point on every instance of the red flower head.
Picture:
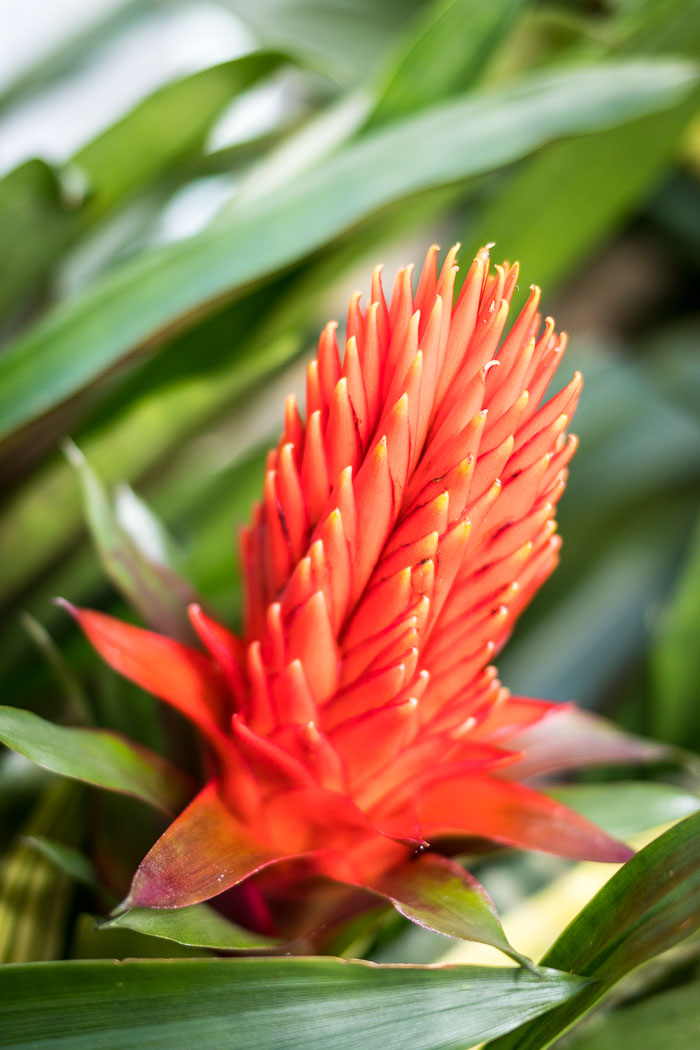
(402, 529)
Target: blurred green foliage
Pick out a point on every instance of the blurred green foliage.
(565, 130)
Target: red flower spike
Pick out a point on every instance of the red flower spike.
(401, 530)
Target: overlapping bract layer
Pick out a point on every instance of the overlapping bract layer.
(402, 529)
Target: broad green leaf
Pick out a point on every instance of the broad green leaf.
(624, 808)
(439, 895)
(95, 756)
(675, 659)
(164, 288)
(669, 1020)
(246, 1004)
(443, 55)
(652, 903)
(134, 557)
(198, 925)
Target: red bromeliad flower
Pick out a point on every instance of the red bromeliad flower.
(402, 530)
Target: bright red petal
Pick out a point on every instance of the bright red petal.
(187, 679)
(487, 807)
(204, 852)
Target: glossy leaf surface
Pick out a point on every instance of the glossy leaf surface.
(246, 1004)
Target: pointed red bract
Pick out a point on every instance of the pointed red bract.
(401, 531)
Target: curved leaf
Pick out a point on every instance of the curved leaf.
(648, 906)
(164, 287)
(199, 926)
(438, 894)
(246, 1004)
(96, 756)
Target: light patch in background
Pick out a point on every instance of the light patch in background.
(160, 44)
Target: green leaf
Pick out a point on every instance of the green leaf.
(439, 895)
(37, 218)
(652, 903)
(34, 893)
(247, 1004)
(68, 859)
(667, 1021)
(163, 288)
(135, 552)
(624, 808)
(41, 215)
(675, 659)
(343, 39)
(443, 55)
(198, 925)
(163, 129)
(96, 756)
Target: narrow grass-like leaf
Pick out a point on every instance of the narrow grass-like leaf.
(163, 288)
(444, 54)
(246, 1004)
(667, 1021)
(134, 557)
(675, 659)
(95, 756)
(652, 903)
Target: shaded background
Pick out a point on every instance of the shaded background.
(189, 190)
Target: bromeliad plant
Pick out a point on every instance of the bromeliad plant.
(357, 729)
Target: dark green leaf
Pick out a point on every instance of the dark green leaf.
(652, 903)
(96, 756)
(163, 288)
(247, 1004)
(668, 1021)
(197, 925)
(68, 859)
(676, 660)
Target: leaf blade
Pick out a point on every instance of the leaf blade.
(96, 756)
(249, 1003)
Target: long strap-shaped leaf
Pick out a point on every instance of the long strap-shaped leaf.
(450, 142)
(652, 903)
(248, 1004)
